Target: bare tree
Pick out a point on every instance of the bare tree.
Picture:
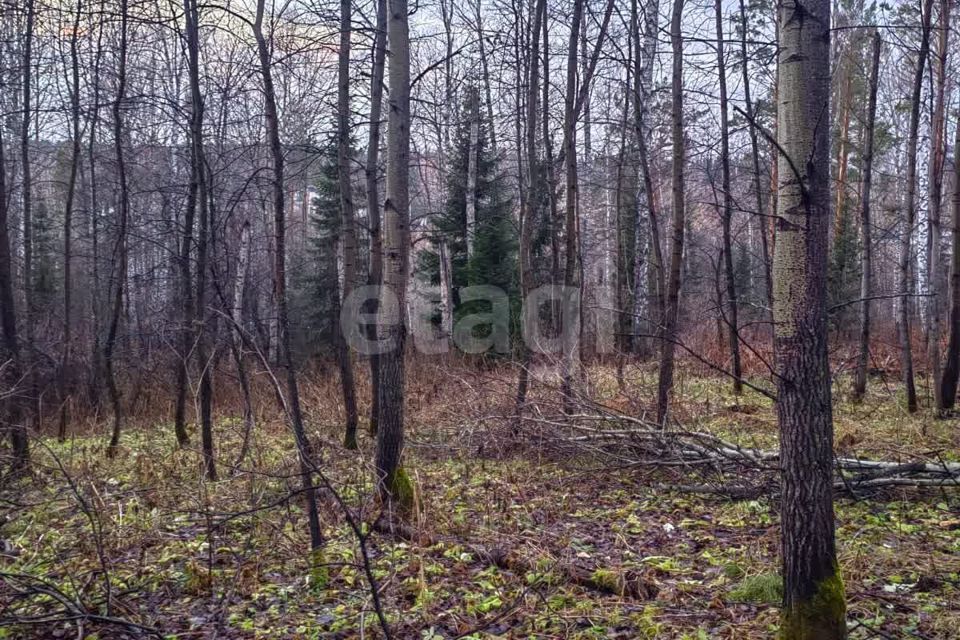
(672, 311)
(731, 317)
(936, 163)
(866, 228)
(371, 170)
(304, 448)
(348, 227)
(120, 245)
(910, 214)
(75, 153)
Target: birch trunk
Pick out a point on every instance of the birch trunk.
(866, 230)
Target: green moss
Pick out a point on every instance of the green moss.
(766, 588)
(823, 617)
(607, 580)
(401, 489)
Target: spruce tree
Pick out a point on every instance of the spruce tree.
(492, 259)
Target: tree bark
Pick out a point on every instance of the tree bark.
(571, 321)
(197, 198)
(75, 133)
(120, 248)
(348, 227)
(532, 196)
(813, 606)
(13, 414)
(951, 369)
(904, 332)
(731, 319)
(304, 448)
(393, 482)
(27, 200)
(672, 311)
(236, 322)
(373, 196)
(935, 204)
(755, 160)
(866, 230)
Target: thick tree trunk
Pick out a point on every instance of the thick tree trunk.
(906, 234)
(672, 310)
(731, 319)
(304, 448)
(348, 226)
(866, 230)
(395, 486)
(935, 205)
(373, 196)
(813, 607)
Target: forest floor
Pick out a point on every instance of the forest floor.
(512, 539)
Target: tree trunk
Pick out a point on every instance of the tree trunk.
(935, 204)
(813, 606)
(532, 196)
(373, 196)
(672, 311)
(75, 133)
(27, 200)
(906, 234)
(951, 368)
(758, 215)
(120, 248)
(304, 448)
(393, 482)
(571, 321)
(197, 198)
(646, 321)
(866, 230)
(236, 321)
(472, 150)
(13, 416)
(348, 227)
(731, 319)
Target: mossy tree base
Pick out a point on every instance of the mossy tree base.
(400, 490)
(822, 617)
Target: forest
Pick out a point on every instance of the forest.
(479, 319)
